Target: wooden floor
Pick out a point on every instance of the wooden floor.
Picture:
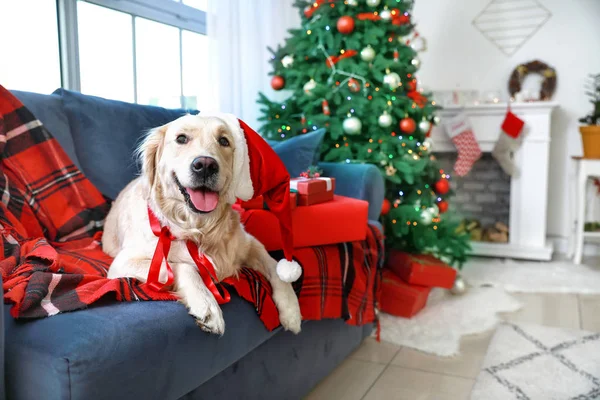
(385, 371)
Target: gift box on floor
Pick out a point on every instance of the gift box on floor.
(313, 190)
(342, 220)
(400, 298)
(421, 269)
(258, 203)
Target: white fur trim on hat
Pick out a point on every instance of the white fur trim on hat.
(288, 271)
(242, 182)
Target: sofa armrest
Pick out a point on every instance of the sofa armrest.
(360, 181)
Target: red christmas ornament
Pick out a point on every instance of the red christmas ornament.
(408, 125)
(442, 186)
(442, 206)
(325, 106)
(398, 18)
(385, 207)
(353, 85)
(345, 25)
(396, 55)
(411, 85)
(277, 83)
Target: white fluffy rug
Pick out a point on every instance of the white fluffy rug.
(537, 362)
(533, 277)
(437, 329)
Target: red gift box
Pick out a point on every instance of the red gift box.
(315, 198)
(400, 298)
(258, 203)
(421, 269)
(342, 220)
(308, 186)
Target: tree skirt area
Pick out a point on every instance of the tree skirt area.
(533, 277)
(538, 362)
(437, 329)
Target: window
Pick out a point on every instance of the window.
(144, 51)
(30, 57)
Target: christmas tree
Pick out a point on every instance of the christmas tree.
(351, 69)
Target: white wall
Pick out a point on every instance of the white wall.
(460, 57)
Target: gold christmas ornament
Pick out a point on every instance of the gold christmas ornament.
(367, 54)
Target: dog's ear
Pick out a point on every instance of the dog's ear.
(150, 151)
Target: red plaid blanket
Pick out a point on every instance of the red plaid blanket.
(51, 220)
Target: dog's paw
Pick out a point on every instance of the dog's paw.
(208, 314)
(290, 319)
(289, 310)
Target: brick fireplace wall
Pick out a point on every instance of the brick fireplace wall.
(484, 194)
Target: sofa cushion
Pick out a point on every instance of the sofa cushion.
(146, 350)
(106, 133)
(49, 110)
(299, 152)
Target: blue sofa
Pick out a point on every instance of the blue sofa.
(154, 350)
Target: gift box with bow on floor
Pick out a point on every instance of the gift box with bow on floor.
(313, 190)
(421, 269)
(408, 279)
(400, 298)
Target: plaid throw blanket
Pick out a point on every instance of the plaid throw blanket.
(51, 220)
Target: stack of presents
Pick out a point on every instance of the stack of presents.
(318, 216)
(407, 281)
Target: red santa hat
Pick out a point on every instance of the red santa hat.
(258, 170)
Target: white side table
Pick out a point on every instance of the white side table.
(585, 168)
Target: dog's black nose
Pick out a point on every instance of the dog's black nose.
(206, 166)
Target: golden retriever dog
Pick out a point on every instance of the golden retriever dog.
(186, 180)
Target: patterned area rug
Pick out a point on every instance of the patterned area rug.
(537, 362)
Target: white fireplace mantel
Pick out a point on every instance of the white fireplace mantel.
(529, 190)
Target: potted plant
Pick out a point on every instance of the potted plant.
(590, 133)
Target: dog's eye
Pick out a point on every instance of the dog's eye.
(224, 142)
(182, 139)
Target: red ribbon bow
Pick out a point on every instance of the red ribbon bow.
(205, 267)
(331, 60)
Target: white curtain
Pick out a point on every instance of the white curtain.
(239, 32)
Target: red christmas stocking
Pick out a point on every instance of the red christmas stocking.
(459, 129)
(510, 140)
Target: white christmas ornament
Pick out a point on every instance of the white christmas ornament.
(416, 62)
(373, 3)
(367, 54)
(392, 79)
(428, 214)
(352, 125)
(424, 126)
(418, 44)
(405, 40)
(459, 287)
(309, 86)
(287, 61)
(436, 120)
(352, 3)
(385, 15)
(385, 120)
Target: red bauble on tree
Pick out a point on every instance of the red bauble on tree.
(385, 207)
(277, 82)
(408, 125)
(411, 85)
(442, 186)
(442, 206)
(353, 85)
(345, 24)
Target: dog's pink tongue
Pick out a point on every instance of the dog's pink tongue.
(203, 200)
